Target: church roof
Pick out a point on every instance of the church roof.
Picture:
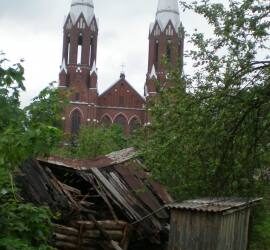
(122, 80)
(168, 10)
(85, 7)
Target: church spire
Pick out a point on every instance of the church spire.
(168, 10)
(166, 41)
(85, 7)
(80, 34)
(80, 48)
(78, 71)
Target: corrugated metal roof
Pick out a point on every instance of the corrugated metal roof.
(102, 161)
(214, 205)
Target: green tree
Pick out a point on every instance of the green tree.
(24, 133)
(93, 141)
(213, 138)
(47, 107)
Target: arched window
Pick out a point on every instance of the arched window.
(79, 51)
(121, 101)
(157, 31)
(91, 50)
(106, 121)
(121, 121)
(69, 24)
(134, 124)
(68, 49)
(169, 51)
(169, 31)
(93, 27)
(77, 97)
(75, 121)
(156, 54)
(81, 24)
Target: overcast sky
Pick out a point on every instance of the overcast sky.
(32, 30)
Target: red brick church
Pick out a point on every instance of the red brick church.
(120, 104)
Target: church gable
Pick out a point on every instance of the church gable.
(94, 25)
(121, 94)
(170, 29)
(155, 30)
(68, 23)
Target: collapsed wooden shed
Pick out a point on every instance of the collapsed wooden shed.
(106, 201)
(210, 224)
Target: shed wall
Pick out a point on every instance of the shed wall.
(193, 231)
(234, 231)
(209, 231)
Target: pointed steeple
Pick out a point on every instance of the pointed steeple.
(168, 10)
(85, 7)
(94, 69)
(153, 73)
(63, 66)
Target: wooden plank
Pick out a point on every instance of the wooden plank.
(71, 189)
(94, 234)
(102, 193)
(65, 245)
(65, 238)
(107, 224)
(138, 188)
(105, 234)
(65, 230)
(126, 237)
(120, 198)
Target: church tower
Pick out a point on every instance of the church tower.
(78, 71)
(166, 43)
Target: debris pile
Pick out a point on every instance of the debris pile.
(107, 203)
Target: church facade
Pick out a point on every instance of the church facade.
(120, 104)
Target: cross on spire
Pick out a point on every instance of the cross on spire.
(123, 66)
(122, 73)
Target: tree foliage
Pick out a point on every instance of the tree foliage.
(216, 132)
(213, 138)
(93, 141)
(24, 133)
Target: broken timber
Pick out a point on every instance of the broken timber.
(99, 200)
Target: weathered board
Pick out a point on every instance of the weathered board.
(217, 224)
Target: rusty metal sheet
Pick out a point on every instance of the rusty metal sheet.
(84, 165)
(139, 184)
(109, 187)
(162, 192)
(125, 199)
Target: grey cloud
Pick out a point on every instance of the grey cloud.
(48, 10)
(32, 13)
